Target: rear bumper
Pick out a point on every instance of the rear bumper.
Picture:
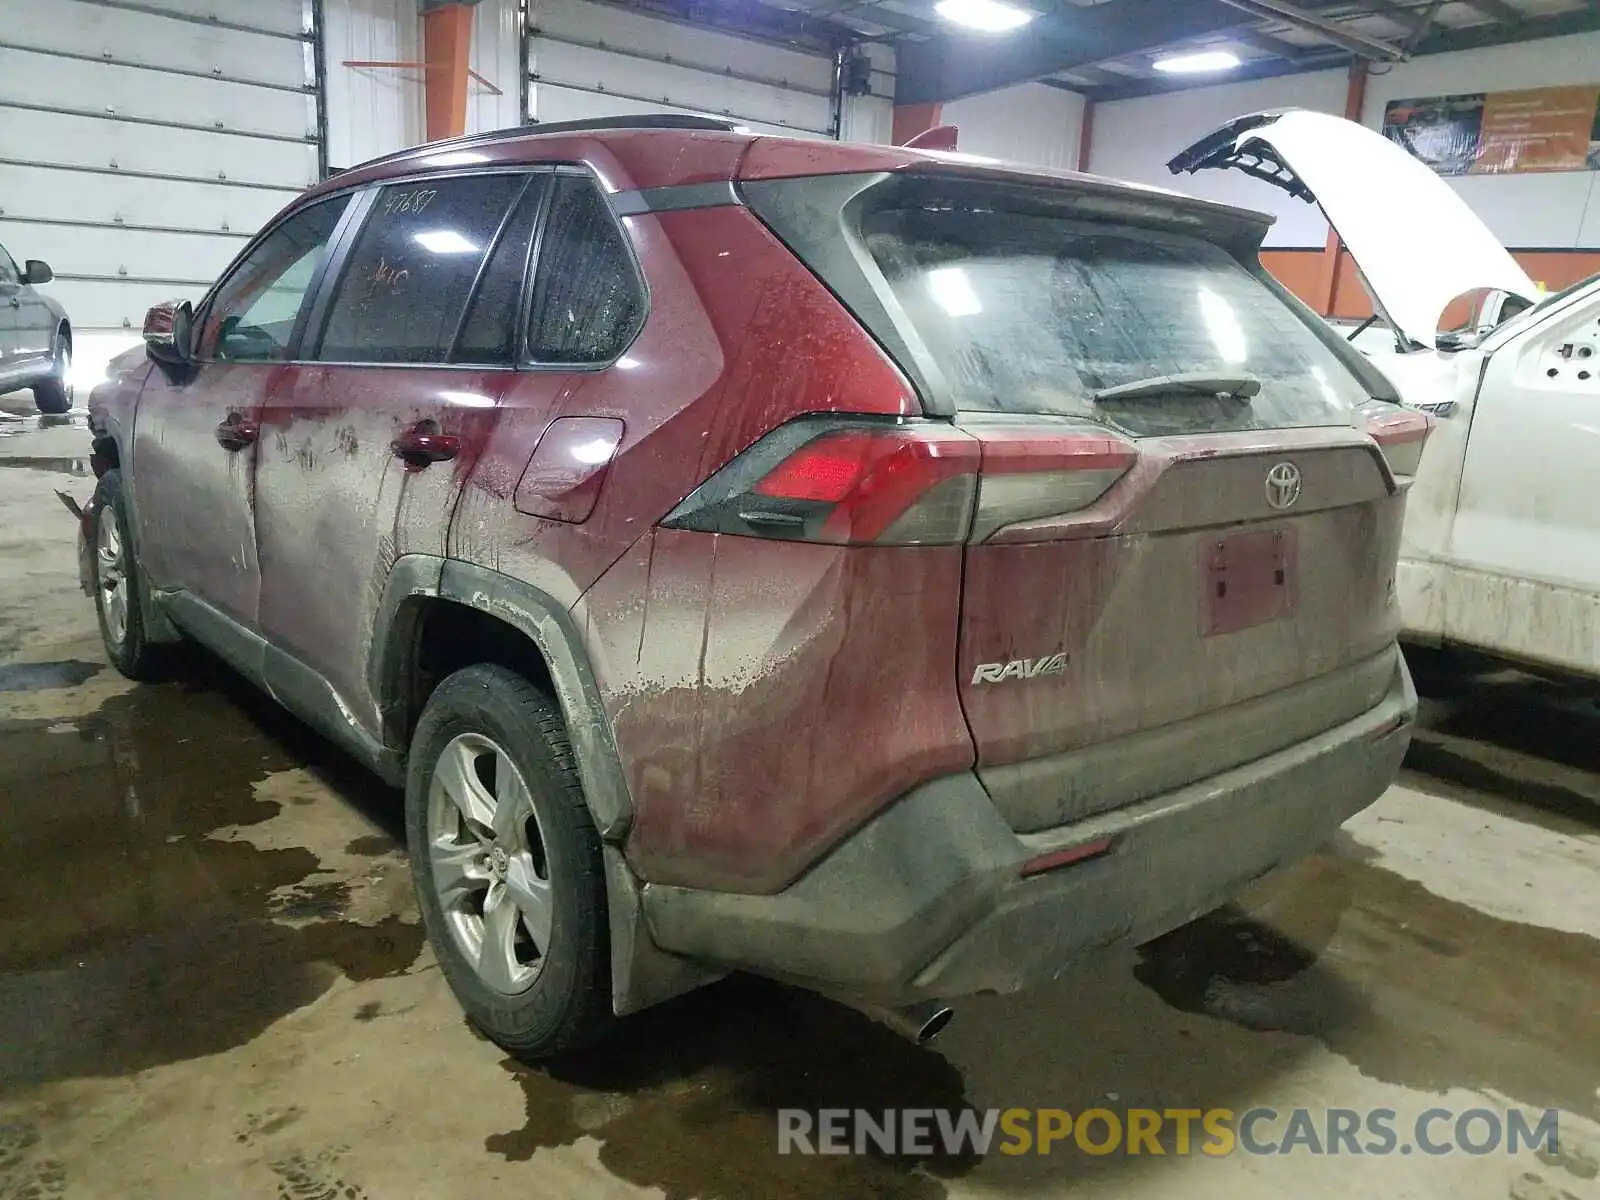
(927, 900)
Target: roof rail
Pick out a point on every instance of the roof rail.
(588, 124)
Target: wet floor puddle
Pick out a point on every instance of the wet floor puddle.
(128, 936)
(1409, 987)
(685, 1098)
(65, 465)
(39, 677)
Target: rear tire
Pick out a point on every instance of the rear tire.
(507, 865)
(119, 589)
(53, 395)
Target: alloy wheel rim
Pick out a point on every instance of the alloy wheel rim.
(64, 366)
(488, 865)
(111, 572)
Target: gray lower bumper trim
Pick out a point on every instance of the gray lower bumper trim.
(926, 900)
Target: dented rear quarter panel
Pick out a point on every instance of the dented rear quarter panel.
(771, 698)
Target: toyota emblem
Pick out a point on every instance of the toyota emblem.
(1283, 485)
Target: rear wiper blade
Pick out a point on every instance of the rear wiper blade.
(1199, 383)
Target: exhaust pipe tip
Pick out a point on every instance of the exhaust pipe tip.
(930, 1020)
(920, 1023)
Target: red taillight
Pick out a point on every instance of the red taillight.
(848, 481)
(1401, 433)
(825, 470)
(1030, 474)
(824, 479)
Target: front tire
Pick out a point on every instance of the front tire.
(507, 865)
(119, 588)
(53, 395)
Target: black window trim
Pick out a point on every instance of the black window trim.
(363, 197)
(525, 359)
(453, 351)
(354, 206)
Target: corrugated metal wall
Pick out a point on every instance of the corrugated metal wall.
(1029, 123)
(373, 110)
(497, 56)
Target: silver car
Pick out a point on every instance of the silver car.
(35, 336)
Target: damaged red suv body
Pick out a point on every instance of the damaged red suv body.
(881, 570)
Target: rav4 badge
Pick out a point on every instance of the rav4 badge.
(1020, 668)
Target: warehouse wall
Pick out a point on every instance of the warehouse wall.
(496, 55)
(1525, 211)
(1134, 138)
(1030, 123)
(372, 110)
(1551, 221)
(871, 118)
(591, 60)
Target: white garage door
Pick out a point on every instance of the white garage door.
(591, 60)
(142, 141)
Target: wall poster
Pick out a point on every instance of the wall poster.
(1501, 133)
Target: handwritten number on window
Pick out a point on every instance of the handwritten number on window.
(396, 203)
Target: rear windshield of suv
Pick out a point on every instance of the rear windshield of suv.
(1028, 313)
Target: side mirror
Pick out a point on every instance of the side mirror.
(168, 333)
(37, 271)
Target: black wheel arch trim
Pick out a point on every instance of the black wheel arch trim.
(642, 973)
(539, 617)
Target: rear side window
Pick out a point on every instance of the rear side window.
(588, 298)
(1027, 313)
(411, 271)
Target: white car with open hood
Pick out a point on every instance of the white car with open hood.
(1501, 549)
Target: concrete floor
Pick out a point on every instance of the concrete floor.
(212, 979)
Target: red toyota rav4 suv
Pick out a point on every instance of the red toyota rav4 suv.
(888, 571)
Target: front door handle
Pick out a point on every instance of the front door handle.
(16, 302)
(235, 433)
(423, 444)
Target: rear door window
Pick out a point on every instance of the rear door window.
(1025, 313)
(408, 279)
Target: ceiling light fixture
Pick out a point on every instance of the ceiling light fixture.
(987, 16)
(1206, 60)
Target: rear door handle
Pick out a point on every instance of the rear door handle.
(423, 444)
(235, 433)
(16, 302)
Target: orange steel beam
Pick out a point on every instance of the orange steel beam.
(912, 119)
(447, 47)
(1355, 98)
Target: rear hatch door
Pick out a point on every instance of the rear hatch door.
(1184, 532)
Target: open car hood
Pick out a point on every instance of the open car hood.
(1415, 240)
